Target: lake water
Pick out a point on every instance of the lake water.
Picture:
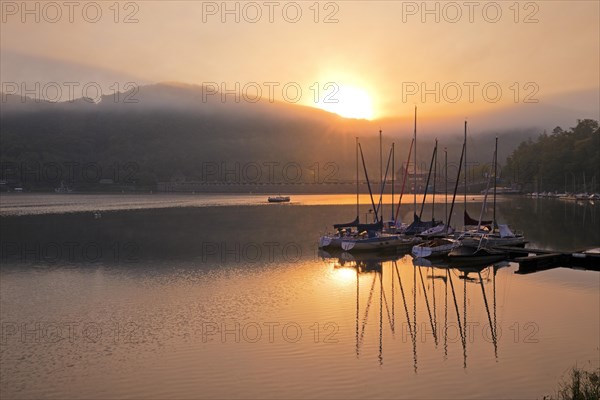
(226, 296)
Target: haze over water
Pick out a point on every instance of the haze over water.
(140, 258)
(146, 301)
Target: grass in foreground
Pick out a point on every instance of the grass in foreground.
(579, 385)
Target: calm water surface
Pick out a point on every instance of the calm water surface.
(198, 296)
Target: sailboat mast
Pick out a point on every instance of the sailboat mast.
(434, 179)
(381, 169)
(393, 173)
(427, 183)
(404, 180)
(462, 153)
(362, 156)
(487, 190)
(495, 182)
(357, 211)
(446, 184)
(387, 168)
(415, 165)
(466, 172)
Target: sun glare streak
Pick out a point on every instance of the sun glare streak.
(345, 275)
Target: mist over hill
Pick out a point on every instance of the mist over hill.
(177, 132)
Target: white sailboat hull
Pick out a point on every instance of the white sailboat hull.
(379, 243)
(434, 248)
(495, 241)
(330, 241)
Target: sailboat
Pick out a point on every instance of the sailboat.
(503, 236)
(418, 226)
(334, 240)
(437, 247)
(376, 238)
(468, 254)
(344, 230)
(401, 227)
(472, 250)
(494, 234)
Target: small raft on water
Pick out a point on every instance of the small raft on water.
(278, 199)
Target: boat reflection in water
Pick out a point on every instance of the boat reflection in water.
(426, 292)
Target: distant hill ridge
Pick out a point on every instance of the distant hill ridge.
(174, 130)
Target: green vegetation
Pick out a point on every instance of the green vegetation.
(559, 161)
(579, 385)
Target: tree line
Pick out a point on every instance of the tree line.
(565, 160)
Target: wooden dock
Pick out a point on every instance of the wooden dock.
(534, 260)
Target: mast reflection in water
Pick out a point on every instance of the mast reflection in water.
(414, 290)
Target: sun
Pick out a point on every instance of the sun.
(348, 102)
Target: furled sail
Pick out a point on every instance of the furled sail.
(371, 227)
(346, 225)
(471, 221)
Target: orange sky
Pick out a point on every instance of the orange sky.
(471, 59)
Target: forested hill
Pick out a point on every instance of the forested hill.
(171, 132)
(559, 161)
(167, 131)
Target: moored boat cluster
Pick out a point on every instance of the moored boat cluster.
(479, 241)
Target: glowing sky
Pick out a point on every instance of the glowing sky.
(390, 52)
